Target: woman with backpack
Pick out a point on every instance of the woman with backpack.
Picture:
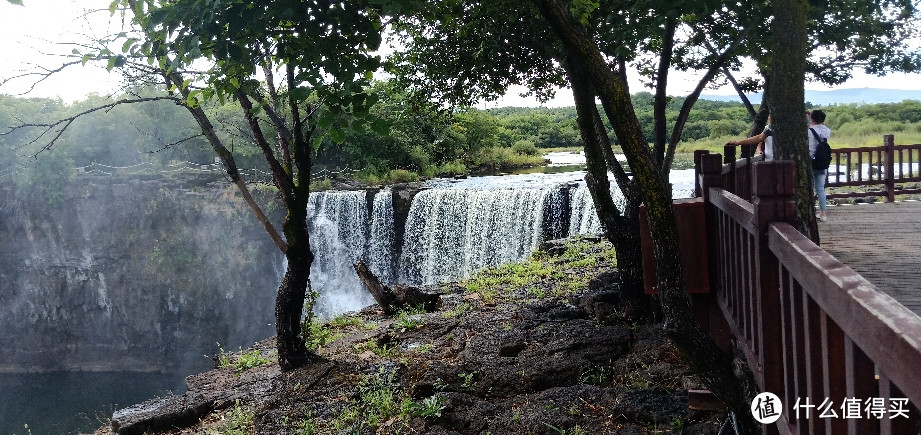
(817, 132)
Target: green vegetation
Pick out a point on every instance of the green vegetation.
(238, 420)
(423, 141)
(570, 272)
(408, 318)
(242, 361)
(379, 401)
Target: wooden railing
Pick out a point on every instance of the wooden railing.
(809, 326)
(884, 167)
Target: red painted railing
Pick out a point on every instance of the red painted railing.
(809, 326)
(885, 167)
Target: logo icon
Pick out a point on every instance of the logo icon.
(766, 408)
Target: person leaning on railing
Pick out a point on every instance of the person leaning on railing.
(765, 141)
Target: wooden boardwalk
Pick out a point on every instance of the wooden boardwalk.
(881, 242)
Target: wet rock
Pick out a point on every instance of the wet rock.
(600, 306)
(553, 247)
(207, 392)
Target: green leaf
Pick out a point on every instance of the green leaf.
(380, 127)
(326, 120)
(127, 45)
(316, 142)
(16, 2)
(337, 134)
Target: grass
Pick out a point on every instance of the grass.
(243, 360)
(571, 272)
(409, 318)
(379, 400)
(237, 420)
(381, 350)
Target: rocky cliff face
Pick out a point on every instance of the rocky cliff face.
(131, 274)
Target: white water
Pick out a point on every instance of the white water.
(451, 233)
(582, 219)
(380, 247)
(454, 229)
(338, 235)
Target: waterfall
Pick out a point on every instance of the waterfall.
(451, 233)
(380, 247)
(583, 218)
(340, 234)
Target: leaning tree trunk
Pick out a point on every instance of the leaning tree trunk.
(622, 230)
(715, 368)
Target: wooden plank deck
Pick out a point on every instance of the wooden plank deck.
(882, 242)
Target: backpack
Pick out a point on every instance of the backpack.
(822, 158)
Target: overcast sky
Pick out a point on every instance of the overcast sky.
(26, 32)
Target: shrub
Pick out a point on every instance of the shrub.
(451, 168)
(401, 176)
(525, 147)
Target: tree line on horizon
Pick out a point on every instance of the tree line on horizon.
(422, 141)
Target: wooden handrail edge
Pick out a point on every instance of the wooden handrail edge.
(886, 331)
(737, 208)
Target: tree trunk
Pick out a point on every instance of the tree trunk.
(289, 303)
(715, 368)
(787, 107)
(381, 294)
(623, 231)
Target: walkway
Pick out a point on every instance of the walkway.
(881, 242)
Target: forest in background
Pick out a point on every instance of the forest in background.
(420, 140)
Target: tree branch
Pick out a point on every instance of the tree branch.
(282, 178)
(661, 100)
(691, 99)
(227, 157)
(60, 126)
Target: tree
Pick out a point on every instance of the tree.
(591, 45)
(219, 51)
(838, 38)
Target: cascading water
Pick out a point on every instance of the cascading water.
(451, 233)
(583, 218)
(380, 247)
(339, 235)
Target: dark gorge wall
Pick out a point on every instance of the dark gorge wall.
(131, 274)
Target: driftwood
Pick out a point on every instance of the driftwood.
(399, 297)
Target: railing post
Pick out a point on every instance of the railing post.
(697, 171)
(773, 187)
(729, 178)
(729, 153)
(711, 176)
(711, 170)
(889, 144)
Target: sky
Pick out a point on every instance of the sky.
(26, 32)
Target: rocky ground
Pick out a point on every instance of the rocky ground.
(531, 348)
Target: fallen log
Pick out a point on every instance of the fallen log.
(391, 301)
(381, 293)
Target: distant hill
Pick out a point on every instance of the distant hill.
(838, 96)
